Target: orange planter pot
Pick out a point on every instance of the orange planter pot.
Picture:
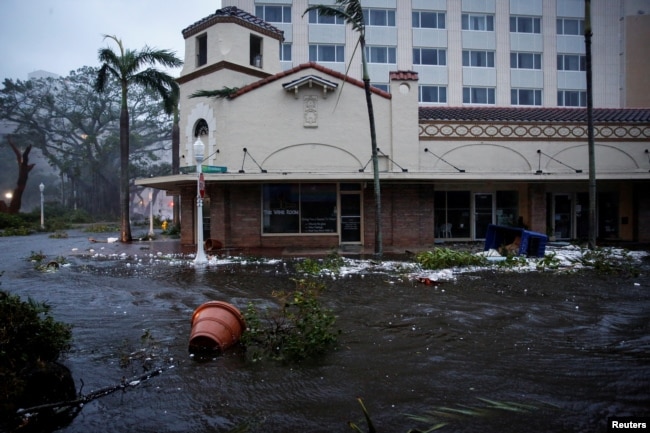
(216, 325)
(212, 244)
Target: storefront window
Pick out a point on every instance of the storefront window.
(452, 214)
(508, 208)
(299, 208)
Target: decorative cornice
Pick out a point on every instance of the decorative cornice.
(446, 130)
(219, 66)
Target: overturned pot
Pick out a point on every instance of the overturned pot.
(212, 244)
(216, 326)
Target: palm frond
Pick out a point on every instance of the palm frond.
(150, 56)
(102, 77)
(163, 83)
(222, 93)
(349, 10)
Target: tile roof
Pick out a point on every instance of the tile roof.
(310, 65)
(404, 75)
(309, 80)
(233, 14)
(537, 114)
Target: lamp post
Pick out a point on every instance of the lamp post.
(150, 214)
(41, 188)
(199, 149)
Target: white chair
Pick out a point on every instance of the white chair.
(444, 231)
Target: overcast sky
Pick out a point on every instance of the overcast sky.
(60, 36)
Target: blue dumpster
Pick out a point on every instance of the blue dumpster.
(530, 243)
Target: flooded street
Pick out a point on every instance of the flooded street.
(569, 349)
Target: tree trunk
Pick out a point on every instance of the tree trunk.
(175, 167)
(24, 167)
(375, 159)
(125, 197)
(593, 226)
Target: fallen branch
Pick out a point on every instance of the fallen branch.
(123, 385)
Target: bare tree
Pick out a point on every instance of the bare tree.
(24, 167)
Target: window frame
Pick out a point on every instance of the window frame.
(534, 94)
(283, 12)
(338, 49)
(316, 18)
(536, 24)
(201, 50)
(440, 54)
(438, 16)
(467, 18)
(439, 90)
(490, 95)
(369, 17)
(390, 54)
(284, 47)
(560, 26)
(296, 210)
(562, 98)
(562, 62)
(489, 58)
(536, 60)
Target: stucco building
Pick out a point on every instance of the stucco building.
(288, 144)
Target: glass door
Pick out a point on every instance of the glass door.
(350, 217)
(608, 215)
(483, 214)
(562, 216)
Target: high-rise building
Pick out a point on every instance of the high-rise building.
(488, 52)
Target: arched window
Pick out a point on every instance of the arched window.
(201, 128)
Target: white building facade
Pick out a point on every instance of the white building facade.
(288, 144)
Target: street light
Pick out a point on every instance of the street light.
(199, 149)
(41, 188)
(150, 214)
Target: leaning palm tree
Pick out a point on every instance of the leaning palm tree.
(126, 67)
(352, 13)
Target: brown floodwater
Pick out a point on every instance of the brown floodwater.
(567, 350)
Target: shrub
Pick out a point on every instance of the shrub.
(301, 329)
(29, 337)
(332, 263)
(29, 333)
(607, 261)
(442, 258)
(11, 221)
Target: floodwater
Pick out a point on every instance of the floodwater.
(568, 350)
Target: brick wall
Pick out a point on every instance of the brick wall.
(407, 215)
(188, 212)
(536, 218)
(642, 220)
(235, 218)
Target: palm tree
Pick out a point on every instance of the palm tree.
(126, 67)
(176, 142)
(352, 13)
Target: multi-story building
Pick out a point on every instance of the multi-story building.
(488, 52)
(479, 107)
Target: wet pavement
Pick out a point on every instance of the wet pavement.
(565, 349)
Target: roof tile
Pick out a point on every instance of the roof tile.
(404, 75)
(534, 114)
(301, 67)
(229, 14)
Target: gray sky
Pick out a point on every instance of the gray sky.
(60, 36)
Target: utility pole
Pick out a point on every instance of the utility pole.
(593, 229)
